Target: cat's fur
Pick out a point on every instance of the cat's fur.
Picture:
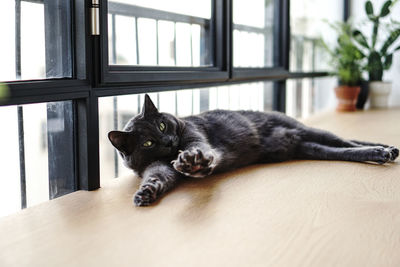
(222, 140)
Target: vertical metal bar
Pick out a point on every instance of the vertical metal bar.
(158, 61)
(346, 9)
(138, 104)
(191, 45)
(175, 43)
(176, 103)
(21, 143)
(192, 101)
(60, 138)
(88, 143)
(58, 45)
(279, 102)
(115, 120)
(18, 39)
(285, 32)
(158, 100)
(137, 41)
(114, 40)
(204, 100)
(277, 36)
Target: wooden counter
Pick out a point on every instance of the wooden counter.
(299, 213)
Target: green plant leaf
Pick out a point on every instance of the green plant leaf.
(360, 38)
(385, 9)
(369, 9)
(375, 68)
(375, 33)
(388, 62)
(392, 38)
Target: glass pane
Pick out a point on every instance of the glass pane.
(307, 96)
(37, 155)
(160, 33)
(36, 41)
(253, 34)
(308, 23)
(115, 112)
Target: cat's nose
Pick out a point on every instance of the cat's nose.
(167, 141)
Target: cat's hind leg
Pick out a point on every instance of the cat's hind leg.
(326, 138)
(311, 150)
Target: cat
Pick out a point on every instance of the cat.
(162, 148)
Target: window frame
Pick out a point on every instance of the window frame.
(125, 74)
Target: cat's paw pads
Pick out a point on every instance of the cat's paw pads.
(146, 195)
(194, 162)
(383, 155)
(394, 153)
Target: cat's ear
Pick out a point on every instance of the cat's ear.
(121, 141)
(148, 106)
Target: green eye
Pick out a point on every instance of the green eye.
(162, 127)
(147, 143)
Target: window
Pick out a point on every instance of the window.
(160, 33)
(309, 21)
(305, 97)
(37, 159)
(253, 33)
(154, 41)
(36, 40)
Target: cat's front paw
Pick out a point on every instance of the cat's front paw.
(146, 195)
(394, 152)
(195, 163)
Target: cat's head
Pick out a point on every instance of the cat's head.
(148, 137)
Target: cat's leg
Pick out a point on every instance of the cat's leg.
(326, 138)
(395, 151)
(311, 150)
(363, 143)
(197, 160)
(158, 178)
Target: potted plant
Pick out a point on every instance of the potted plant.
(345, 59)
(378, 60)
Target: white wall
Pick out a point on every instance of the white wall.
(358, 14)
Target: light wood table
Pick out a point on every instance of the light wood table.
(298, 213)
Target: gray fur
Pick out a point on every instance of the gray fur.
(222, 140)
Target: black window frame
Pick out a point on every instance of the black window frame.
(92, 78)
(117, 74)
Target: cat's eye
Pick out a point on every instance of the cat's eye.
(162, 127)
(147, 143)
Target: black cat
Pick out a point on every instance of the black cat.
(162, 148)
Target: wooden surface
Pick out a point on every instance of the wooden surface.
(299, 213)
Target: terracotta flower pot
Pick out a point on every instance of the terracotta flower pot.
(347, 97)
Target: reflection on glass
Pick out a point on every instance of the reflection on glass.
(253, 33)
(115, 111)
(33, 34)
(160, 33)
(37, 150)
(308, 23)
(307, 96)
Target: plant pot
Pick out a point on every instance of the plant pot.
(379, 94)
(347, 97)
(363, 95)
